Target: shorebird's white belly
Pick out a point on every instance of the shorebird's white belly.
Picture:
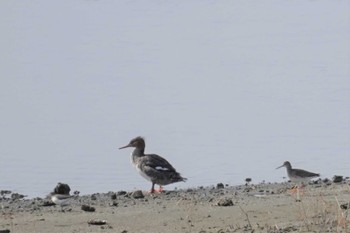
(60, 201)
(299, 180)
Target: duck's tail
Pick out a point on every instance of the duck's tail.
(176, 177)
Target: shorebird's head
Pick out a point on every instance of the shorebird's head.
(138, 142)
(285, 164)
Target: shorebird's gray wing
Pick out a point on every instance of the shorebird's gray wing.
(304, 174)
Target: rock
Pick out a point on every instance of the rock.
(316, 181)
(225, 202)
(337, 179)
(248, 189)
(88, 208)
(62, 189)
(5, 231)
(5, 192)
(248, 180)
(220, 186)
(115, 203)
(93, 197)
(137, 194)
(76, 192)
(15, 196)
(121, 193)
(345, 206)
(114, 196)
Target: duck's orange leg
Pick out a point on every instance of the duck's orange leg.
(160, 190)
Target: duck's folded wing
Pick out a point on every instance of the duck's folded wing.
(158, 163)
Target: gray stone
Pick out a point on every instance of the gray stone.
(137, 194)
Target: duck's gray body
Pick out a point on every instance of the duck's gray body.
(151, 166)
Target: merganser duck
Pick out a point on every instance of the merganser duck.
(151, 166)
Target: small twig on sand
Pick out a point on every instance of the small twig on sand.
(247, 217)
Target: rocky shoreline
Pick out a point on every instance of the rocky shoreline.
(265, 207)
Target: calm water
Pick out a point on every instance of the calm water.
(223, 89)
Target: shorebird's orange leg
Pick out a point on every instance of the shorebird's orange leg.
(302, 186)
(298, 191)
(294, 189)
(297, 188)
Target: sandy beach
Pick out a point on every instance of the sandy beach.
(220, 208)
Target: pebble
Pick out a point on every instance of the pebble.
(225, 202)
(5, 231)
(137, 194)
(115, 203)
(121, 193)
(15, 196)
(345, 206)
(88, 208)
(97, 222)
(337, 179)
(5, 192)
(114, 196)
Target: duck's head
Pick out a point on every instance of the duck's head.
(285, 164)
(138, 142)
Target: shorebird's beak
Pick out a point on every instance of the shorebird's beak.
(280, 166)
(125, 146)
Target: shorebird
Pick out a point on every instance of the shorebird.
(60, 199)
(151, 166)
(298, 175)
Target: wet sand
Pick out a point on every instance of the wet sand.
(250, 208)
